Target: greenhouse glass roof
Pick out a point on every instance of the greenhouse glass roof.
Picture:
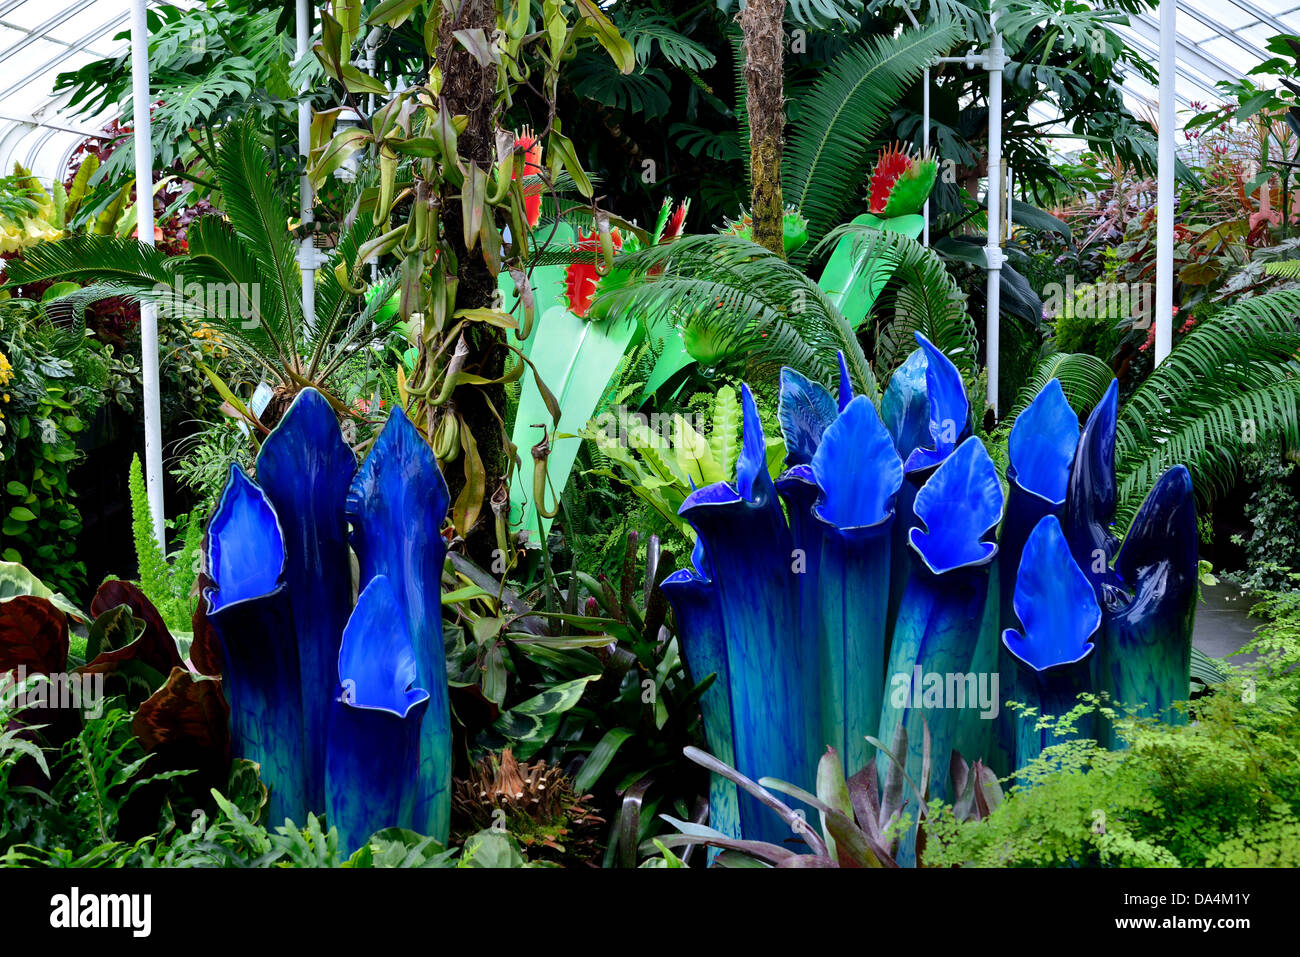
(1217, 40)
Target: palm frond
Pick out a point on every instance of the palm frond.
(361, 327)
(737, 40)
(334, 303)
(827, 156)
(760, 311)
(253, 314)
(1286, 268)
(93, 259)
(260, 217)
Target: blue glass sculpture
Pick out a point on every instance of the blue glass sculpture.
(374, 728)
(1041, 450)
(320, 691)
(941, 618)
(304, 467)
(696, 606)
(1147, 625)
(856, 513)
(751, 555)
(249, 609)
(1059, 615)
(893, 577)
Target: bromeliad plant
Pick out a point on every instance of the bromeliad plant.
(836, 607)
(345, 708)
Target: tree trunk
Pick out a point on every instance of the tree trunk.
(763, 25)
(469, 89)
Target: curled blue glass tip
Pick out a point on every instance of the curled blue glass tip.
(1054, 601)
(376, 660)
(857, 468)
(1091, 492)
(753, 484)
(949, 408)
(959, 504)
(1042, 444)
(905, 406)
(1163, 531)
(805, 410)
(846, 387)
(245, 544)
(700, 561)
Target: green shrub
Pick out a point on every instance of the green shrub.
(1222, 790)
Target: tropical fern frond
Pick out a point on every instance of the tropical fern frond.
(759, 311)
(361, 328)
(737, 41)
(827, 156)
(1084, 380)
(260, 216)
(928, 299)
(83, 258)
(824, 14)
(336, 305)
(1210, 442)
(1232, 381)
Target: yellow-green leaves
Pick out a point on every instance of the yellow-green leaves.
(473, 197)
(562, 155)
(607, 35)
(392, 13)
(337, 151)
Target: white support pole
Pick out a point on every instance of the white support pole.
(925, 148)
(993, 248)
(1165, 175)
(307, 259)
(141, 100)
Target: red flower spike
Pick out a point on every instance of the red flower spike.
(580, 278)
(677, 221)
(532, 147)
(893, 162)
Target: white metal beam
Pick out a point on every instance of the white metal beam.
(1165, 174)
(144, 221)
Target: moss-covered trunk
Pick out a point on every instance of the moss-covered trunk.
(763, 25)
(470, 90)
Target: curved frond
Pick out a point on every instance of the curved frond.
(260, 217)
(927, 299)
(759, 311)
(1084, 379)
(93, 259)
(237, 300)
(1232, 381)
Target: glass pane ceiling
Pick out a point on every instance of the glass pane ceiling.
(1217, 39)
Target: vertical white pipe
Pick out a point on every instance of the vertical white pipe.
(1165, 174)
(141, 100)
(306, 250)
(925, 148)
(993, 247)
